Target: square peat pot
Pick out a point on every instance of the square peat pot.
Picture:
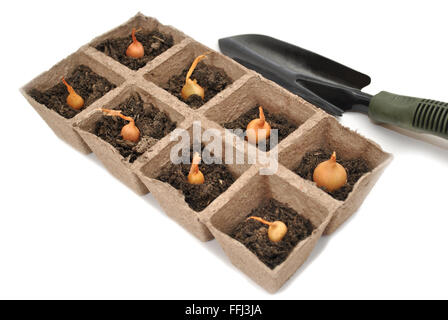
(249, 194)
(286, 112)
(327, 134)
(63, 126)
(172, 200)
(103, 45)
(171, 70)
(123, 168)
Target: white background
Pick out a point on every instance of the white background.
(68, 229)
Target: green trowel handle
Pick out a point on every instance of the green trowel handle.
(416, 114)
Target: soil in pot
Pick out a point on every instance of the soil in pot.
(152, 123)
(211, 78)
(89, 85)
(154, 43)
(277, 121)
(218, 179)
(254, 234)
(355, 168)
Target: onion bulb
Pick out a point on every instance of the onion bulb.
(258, 129)
(74, 100)
(135, 49)
(276, 230)
(330, 174)
(192, 87)
(195, 176)
(129, 132)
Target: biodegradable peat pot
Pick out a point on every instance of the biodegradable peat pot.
(144, 24)
(182, 60)
(329, 135)
(114, 162)
(247, 187)
(247, 195)
(275, 100)
(63, 127)
(172, 200)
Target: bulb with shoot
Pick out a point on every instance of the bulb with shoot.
(129, 132)
(191, 87)
(276, 231)
(195, 176)
(135, 49)
(258, 129)
(74, 100)
(330, 174)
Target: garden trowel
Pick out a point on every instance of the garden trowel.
(332, 86)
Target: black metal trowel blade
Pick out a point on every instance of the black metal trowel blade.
(319, 80)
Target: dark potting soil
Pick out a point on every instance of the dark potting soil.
(211, 78)
(217, 180)
(254, 234)
(276, 121)
(355, 169)
(154, 43)
(152, 123)
(86, 83)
